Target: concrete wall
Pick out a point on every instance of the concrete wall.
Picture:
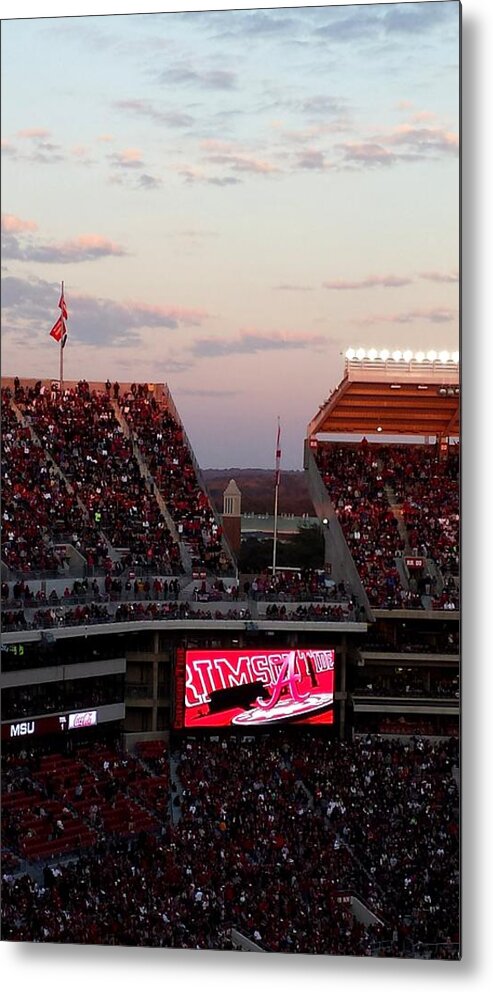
(244, 943)
(60, 673)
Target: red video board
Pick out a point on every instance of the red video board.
(254, 688)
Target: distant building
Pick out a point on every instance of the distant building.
(232, 516)
(288, 525)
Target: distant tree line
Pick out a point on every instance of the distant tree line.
(303, 550)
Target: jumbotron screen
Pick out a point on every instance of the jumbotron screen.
(254, 687)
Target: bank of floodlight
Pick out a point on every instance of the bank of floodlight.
(408, 356)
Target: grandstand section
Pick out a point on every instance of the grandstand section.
(391, 509)
(192, 757)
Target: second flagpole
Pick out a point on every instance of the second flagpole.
(61, 350)
(276, 500)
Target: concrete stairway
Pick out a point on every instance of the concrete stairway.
(152, 488)
(396, 510)
(175, 811)
(436, 574)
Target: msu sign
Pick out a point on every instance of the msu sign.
(21, 729)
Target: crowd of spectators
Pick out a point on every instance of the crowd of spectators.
(164, 447)
(36, 505)
(437, 726)
(396, 805)
(360, 480)
(176, 611)
(111, 589)
(271, 832)
(436, 642)
(55, 803)
(409, 682)
(296, 586)
(80, 431)
(427, 488)
(53, 697)
(100, 613)
(356, 488)
(318, 612)
(215, 592)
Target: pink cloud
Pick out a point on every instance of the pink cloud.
(7, 147)
(85, 248)
(221, 147)
(251, 342)
(294, 287)
(93, 243)
(189, 315)
(311, 158)
(80, 151)
(191, 173)
(128, 158)
(244, 163)
(421, 116)
(302, 135)
(369, 153)
(14, 225)
(445, 277)
(436, 315)
(34, 132)
(424, 138)
(387, 282)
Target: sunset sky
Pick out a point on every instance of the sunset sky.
(232, 199)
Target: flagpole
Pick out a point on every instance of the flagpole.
(61, 353)
(276, 498)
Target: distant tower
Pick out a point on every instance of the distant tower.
(232, 516)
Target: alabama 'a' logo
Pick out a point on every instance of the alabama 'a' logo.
(287, 679)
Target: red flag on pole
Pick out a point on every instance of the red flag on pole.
(58, 330)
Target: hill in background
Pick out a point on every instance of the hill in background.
(257, 489)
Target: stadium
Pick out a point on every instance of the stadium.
(195, 757)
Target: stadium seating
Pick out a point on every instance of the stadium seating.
(271, 833)
(163, 446)
(81, 433)
(393, 500)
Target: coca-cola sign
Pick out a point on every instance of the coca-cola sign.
(256, 688)
(78, 720)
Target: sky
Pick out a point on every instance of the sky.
(232, 199)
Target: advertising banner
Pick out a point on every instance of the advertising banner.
(41, 725)
(255, 688)
(78, 720)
